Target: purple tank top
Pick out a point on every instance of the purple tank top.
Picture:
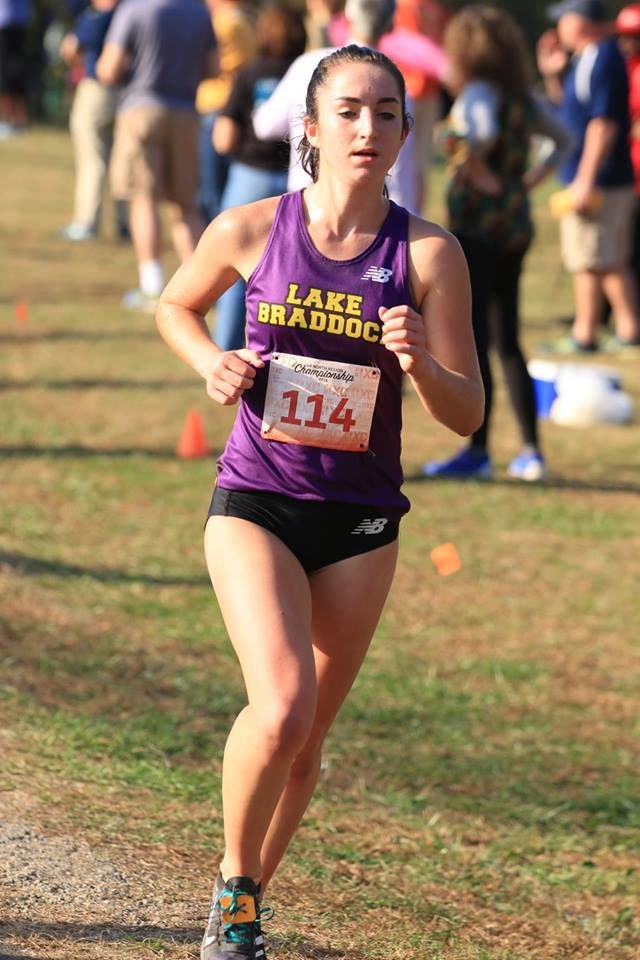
(301, 302)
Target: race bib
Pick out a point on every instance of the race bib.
(319, 403)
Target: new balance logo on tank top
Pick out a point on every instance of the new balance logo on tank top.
(304, 304)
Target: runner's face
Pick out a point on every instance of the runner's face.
(359, 128)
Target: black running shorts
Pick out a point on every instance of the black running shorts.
(318, 532)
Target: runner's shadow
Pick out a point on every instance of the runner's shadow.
(551, 483)
(312, 951)
(30, 451)
(96, 932)
(103, 383)
(7, 953)
(117, 932)
(50, 336)
(35, 566)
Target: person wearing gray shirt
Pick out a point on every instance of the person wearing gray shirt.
(159, 50)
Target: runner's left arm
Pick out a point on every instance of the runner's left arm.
(435, 344)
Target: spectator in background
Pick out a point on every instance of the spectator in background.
(91, 123)
(234, 28)
(14, 20)
(428, 18)
(592, 96)
(318, 18)
(164, 48)
(258, 167)
(281, 115)
(493, 120)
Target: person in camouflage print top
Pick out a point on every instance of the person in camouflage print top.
(501, 217)
(492, 122)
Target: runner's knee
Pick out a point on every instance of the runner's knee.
(286, 723)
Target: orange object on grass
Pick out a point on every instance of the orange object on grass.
(446, 559)
(192, 443)
(21, 311)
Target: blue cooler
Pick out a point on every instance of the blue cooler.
(544, 374)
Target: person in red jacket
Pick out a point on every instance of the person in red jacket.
(627, 27)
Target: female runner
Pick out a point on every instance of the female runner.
(346, 292)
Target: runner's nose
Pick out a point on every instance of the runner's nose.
(366, 127)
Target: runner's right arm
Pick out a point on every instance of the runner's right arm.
(228, 250)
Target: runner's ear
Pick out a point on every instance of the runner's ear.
(311, 131)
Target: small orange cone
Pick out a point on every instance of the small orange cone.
(446, 559)
(192, 443)
(21, 312)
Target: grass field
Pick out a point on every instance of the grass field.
(480, 798)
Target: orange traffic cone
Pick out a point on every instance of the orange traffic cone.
(21, 312)
(192, 443)
(446, 559)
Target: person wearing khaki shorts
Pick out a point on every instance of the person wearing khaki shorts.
(156, 154)
(591, 91)
(168, 46)
(599, 241)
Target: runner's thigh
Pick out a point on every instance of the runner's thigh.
(265, 601)
(348, 598)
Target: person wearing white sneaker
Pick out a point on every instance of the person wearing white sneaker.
(494, 118)
(163, 48)
(528, 465)
(90, 123)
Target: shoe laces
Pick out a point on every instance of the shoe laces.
(265, 913)
(238, 932)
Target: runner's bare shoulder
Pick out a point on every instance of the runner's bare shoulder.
(435, 256)
(241, 233)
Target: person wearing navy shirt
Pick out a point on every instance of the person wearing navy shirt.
(591, 92)
(596, 86)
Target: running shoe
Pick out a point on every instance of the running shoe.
(8, 130)
(528, 465)
(614, 344)
(137, 300)
(568, 346)
(470, 463)
(78, 232)
(234, 930)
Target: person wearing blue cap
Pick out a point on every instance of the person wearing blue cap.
(585, 75)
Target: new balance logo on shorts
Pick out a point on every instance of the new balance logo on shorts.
(377, 274)
(371, 526)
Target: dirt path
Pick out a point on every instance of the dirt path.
(59, 898)
(63, 899)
